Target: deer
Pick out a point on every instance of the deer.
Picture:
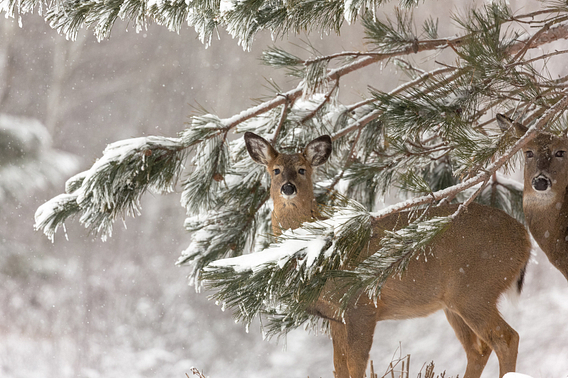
(466, 269)
(545, 195)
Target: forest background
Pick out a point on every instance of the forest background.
(83, 307)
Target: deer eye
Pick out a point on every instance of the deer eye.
(529, 154)
(276, 172)
(302, 171)
(560, 154)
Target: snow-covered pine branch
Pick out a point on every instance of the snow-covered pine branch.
(113, 186)
(282, 280)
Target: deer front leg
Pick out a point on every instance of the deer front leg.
(339, 339)
(360, 328)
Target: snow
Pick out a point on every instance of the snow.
(156, 3)
(516, 375)
(306, 243)
(28, 131)
(115, 154)
(278, 253)
(27, 159)
(44, 216)
(226, 6)
(348, 11)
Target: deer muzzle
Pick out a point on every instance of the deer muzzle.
(288, 189)
(541, 183)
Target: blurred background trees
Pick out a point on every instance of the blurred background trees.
(86, 308)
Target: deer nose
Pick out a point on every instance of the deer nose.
(541, 183)
(288, 189)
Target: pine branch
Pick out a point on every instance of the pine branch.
(485, 174)
(560, 32)
(208, 132)
(287, 277)
(113, 186)
(417, 137)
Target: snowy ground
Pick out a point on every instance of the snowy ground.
(135, 339)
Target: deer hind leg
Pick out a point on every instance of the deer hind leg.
(477, 350)
(499, 335)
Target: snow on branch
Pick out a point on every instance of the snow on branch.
(112, 187)
(279, 281)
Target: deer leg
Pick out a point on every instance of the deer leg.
(339, 339)
(476, 350)
(360, 326)
(499, 335)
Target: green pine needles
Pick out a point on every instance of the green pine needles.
(432, 139)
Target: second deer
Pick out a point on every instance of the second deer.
(465, 271)
(545, 193)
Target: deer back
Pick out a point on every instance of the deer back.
(482, 252)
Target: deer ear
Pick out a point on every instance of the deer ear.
(318, 150)
(505, 124)
(259, 149)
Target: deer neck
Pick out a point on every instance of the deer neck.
(548, 222)
(291, 213)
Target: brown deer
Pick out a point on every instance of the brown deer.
(464, 272)
(545, 195)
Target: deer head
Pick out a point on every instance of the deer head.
(291, 186)
(546, 162)
(545, 198)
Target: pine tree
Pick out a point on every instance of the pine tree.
(433, 138)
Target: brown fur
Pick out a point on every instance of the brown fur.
(464, 272)
(546, 212)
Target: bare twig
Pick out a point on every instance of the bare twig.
(538, 35)
(196, 373)
(540, 57)
(283, 115)
(326, 100)
(550, 35)
(533, 14)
